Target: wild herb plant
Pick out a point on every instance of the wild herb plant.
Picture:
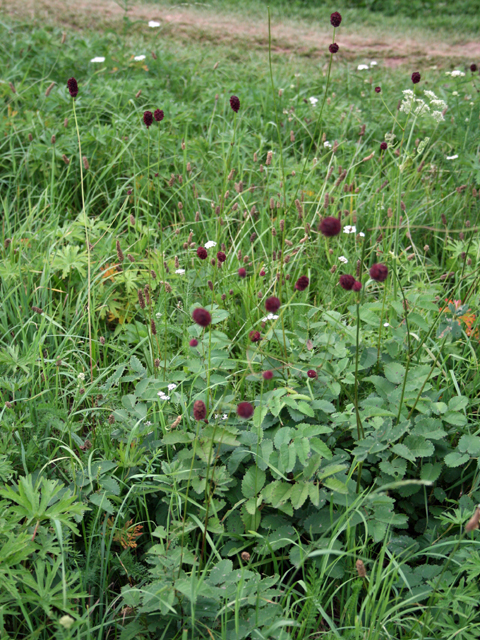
(239, 357)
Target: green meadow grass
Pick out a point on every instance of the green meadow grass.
(339, 509)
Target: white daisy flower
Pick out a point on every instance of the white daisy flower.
(313, 101)
(363, 67)
(343, 259)
(271, 316)
(98, 59)
(180, 271)
(153, 24)
(452, 157)
(210, 244)
(171, 386)
(139, 58)
(327, 144)
(349, 228)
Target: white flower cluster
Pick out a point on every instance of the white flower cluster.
(271, 316)
(163, 396)
(210, 244)
(218, 416)
(350, 228)
(343, 259)
(180, 271)
(456, 73)
(419, 107)
(313, 101)
(98, 59)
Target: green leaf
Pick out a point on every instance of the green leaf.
(394, 372)
(177, 437)
(282, 437)
(458, 403)
(320, 447)
(455, 459)
(253, 482)
(403, 451)
(431, 472)
(302, 449)
(323, 405)
(457, 419)
(101, 500)
(306, 409)
(469, 444)
(299, 494)
(419, 446)
(334, 484)
(259, 415)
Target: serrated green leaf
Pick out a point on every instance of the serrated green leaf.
(457, 419)
(323, 405)
(431, 472)
(302, 448)
(320, 447)
(394, 372)
(469, 444)
(334, 484)
(177, 437)
(299, 494)
(455, 459)
(306, 409)
(403, 451)
(253, 482)
(287, 457)
(314, 493)
(419, 446)
(458, 403)
(259, 415)
(101, 500)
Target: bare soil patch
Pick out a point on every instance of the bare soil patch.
(202, 24)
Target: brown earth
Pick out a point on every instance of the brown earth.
(202, 24)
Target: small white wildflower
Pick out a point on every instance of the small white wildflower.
(158, 315)
(438, 116)
(385, 324)
(430, 95)
(172, 386)
(66, 622)
(313, 101)
(292, 86)
(452, 157)
(455, 93)
(153, 24)
(343, 259)
(390, 137)
(162, 396)
(139, 58)
(467, 119)
(180, 271)
(271, 316)
(362, 67)
(81, 377)
(439, 104)
(373, 63)
(422, 107)
(361, 234)
(349, 228)
(98, 59)
(327, 144)
(471, 104)
(224, 417)
(456, 73)
(148, 423)
(210, 244)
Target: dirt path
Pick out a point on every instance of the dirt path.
(202, 24)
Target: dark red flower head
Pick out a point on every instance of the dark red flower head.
(330, 226)
(242, 272)
(158, 115)
(72, 87)
(235, 103)
(333, 48)
(199, 410)
(473, 67)
(202, 253)
(193, 342)
(255, 336)
(357, 285)
(201, 317)
(379, 272)
(302, 283)
(267, 375)
(416, 77)
(262, 273)
(245, 410)
(311, 373)
(378, 89)
(272, 304)
(383, 146)
(221, 257)
(335, 19)
(347, 281)
(148, 118)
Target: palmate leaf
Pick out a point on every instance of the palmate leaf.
(46, 500)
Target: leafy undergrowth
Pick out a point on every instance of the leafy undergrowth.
(299, 459)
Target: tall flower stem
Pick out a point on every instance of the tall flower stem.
(87, 241)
